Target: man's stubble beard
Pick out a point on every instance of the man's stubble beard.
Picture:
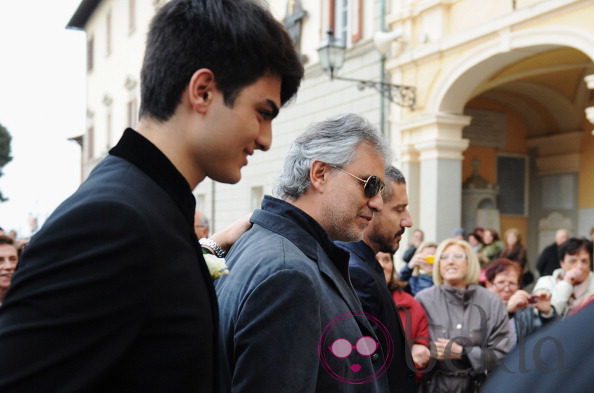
(384, 243)
(338, 230)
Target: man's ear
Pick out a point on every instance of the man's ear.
(201, 89)
(318, 175)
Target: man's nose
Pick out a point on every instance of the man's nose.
(407, 220)
(376, 203)
(264, 140)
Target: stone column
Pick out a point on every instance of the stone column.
(438, 140)
(408, 164)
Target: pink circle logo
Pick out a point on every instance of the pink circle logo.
(354, 360)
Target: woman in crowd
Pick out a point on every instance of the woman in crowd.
(573, 284)
(527, 312)
(417, 238)
(419, 271)
(469, 325)
(412, 314)
(476, 241)
(491, 249)
(514, 250)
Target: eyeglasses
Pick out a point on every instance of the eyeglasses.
(371, 187)
(502, 285)
(342, 348)
(458, 256)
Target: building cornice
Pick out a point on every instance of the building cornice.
(82, 14)
(499, 26)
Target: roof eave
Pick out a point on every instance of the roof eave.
(83, 13)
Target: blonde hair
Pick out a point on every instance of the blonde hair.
(424, 245)
(474, 268)
(516, 232)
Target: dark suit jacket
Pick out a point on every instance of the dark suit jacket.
(112, 294)
(548, 260)
(367, 277)
(284, 304)
(556, 358)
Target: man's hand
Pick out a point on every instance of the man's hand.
(226, 237)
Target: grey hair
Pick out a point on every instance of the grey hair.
(392, 174)
(203, 220)
(333, 141)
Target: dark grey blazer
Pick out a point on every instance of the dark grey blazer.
(556, 358)
(367, 277)
(111, 295)
(282, 307)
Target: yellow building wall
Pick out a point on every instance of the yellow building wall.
(467, 14)
(578, 17)
(488, 158)
(520, 223)
(515, 143)
(425, 71)
(515, 139)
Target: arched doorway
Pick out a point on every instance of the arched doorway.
(527, 96)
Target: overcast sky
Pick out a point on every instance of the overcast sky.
(42, 104)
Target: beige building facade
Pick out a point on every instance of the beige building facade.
(501, 133)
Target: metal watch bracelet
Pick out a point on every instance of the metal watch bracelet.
(209, 243)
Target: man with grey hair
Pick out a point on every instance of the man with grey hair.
(290, 320)
(367, 276)
(201, 227)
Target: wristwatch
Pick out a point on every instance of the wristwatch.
(209, 243)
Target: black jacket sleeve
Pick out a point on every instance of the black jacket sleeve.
(76, 301)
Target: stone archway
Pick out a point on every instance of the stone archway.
(456, 88)
(554, 121)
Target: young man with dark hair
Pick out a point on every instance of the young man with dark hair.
(113, 294)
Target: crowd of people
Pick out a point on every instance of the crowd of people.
(475, 297)
(124, 289)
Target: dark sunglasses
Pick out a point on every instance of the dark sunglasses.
(371, 187)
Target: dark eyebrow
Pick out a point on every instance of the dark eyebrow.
(273, 108)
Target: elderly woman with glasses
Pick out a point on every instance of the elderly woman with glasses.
(527, 312)
(469, 326)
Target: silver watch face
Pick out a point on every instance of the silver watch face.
(219, 252)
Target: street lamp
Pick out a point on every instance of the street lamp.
(331, 60)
